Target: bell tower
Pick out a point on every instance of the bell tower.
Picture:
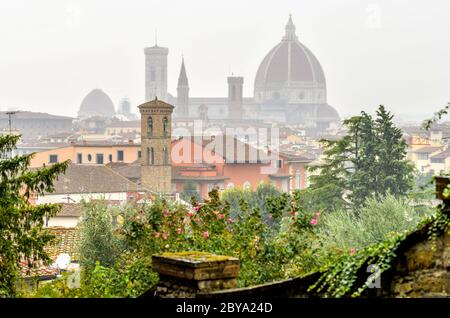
(183, 93)
(156, 72)
(156, 165)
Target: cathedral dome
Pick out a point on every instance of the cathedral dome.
(290, 66)
(96, 103)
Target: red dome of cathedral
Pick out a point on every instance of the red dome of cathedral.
(290, 64)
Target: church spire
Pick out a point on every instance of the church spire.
(182, 78)
(290, 30)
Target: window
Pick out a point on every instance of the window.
(79, 158)
(149, 126)
(437, 160)
(165, 126)
(139, 154)
(278, 163)
(119, 155)
(422, 156)
(99, 158)
(166, 156)
(53, 159)
(150, 156)
(89, 157)
(110, 157)
(298, 180)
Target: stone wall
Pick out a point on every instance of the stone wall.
(419, 270)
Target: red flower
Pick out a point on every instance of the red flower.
(196, 208)
(205, 234)
(230, 220)
(220, 216)
(352, 251)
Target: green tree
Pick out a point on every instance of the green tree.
(369, 160)
(97, 240)
(22, 236)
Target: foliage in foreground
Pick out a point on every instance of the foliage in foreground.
(22, 237)
(340, 278)
(270, 246)
(373, 223)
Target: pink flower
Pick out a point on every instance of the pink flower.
(230, 220)
(317, 214)
(196, 208)
(220, 216)
(313, 222)
(191, 213)
(205, 234)
(179, 230)
(165, 236)
(353, 251)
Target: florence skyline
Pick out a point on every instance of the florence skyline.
(372, 52)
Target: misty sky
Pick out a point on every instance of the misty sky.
(392, 52)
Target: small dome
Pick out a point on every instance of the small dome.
(96, 103)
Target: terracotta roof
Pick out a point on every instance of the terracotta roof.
(428, 149)
(32, 115)
(92, 179)
(442, 155)
(70, 209)
(66, 241)
(36, 270)
(295, 157)
(156, 103)
(234, 151)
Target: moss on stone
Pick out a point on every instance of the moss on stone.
(195, 256)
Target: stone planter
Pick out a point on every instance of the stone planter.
(187, 274)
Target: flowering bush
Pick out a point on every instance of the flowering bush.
(268, 244)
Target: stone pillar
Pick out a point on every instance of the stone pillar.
(187, 274)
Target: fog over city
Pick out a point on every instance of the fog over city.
(391, 52)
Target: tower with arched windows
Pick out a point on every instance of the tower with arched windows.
(156, 119)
